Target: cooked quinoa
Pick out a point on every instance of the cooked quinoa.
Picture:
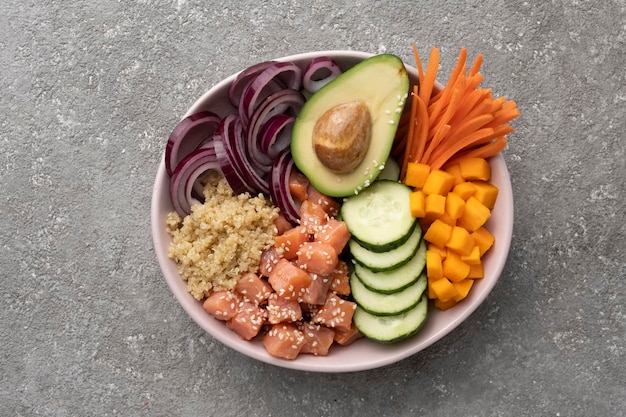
(221, 239)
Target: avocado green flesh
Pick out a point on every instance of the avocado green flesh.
(382, 83)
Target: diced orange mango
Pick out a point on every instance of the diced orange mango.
(475, 214)
(447, 219)
(454, 268)
(483, 239)
(438, 233)
(473, 257)
(443, 252)
(462, 288)
(464, 189)
(475, 169)
(486, 193)
(416, 174)
(455, 170)
(460, 241)
(434, 266)
(418, 204)
(434, 205)
(445, 305)
(454, 205)
(444, 289)
(476, 271)
(438, 182)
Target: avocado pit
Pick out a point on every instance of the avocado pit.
(341, 136)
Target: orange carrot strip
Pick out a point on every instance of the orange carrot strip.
(426, 87)
(434, 143)
(498, 131)
(418, 64)
(448, 89)
(473, 81)
(485, 151)
(437, 162)
(422, 133)
(503, 116)
(410, 135)
(466, 106)
(476, 65)
(457, 95)
(483, 106)
(466, 128)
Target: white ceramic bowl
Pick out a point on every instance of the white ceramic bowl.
(363, 354)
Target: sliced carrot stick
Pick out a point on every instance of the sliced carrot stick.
(422, 132)
(410, 134)
(426, 87)
(504, 116)
(455, 99)
(485, 151)
(418, 64)
(476, 65)
(467, 105)
(466, 127)
(448, 90)
(437, 161)
(434, 143)
(473, 81)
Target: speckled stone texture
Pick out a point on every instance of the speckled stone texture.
(90, 92)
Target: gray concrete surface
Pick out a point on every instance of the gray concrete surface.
(90, 92)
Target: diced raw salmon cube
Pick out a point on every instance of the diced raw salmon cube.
(336, 312)
(317, 339)
(281, 310)
(316, 292)
(269, 258)
(284, 341)
(317, 258)
(334, 233)
(312, 216)
(253, 288)
(282, 224)
(288, 280)
(290, 241)
(248, 321)
(327, 203)
(346, 336)
(339, 279)
(222, 305)
(310, 310)
(298, 185)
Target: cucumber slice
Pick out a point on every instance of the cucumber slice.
(379, 217)
(388, 329)
(391, 171)
(396, 279)
(383, 261)
(387, 304)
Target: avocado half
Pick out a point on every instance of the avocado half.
(380, 82)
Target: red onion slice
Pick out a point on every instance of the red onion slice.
(190, 133)
(287, 74)
(319, 72)
(277, 103)
(232, 174)
(243, 79)
(186, 175)
(232, 136)
(275, 134)
(279, 187)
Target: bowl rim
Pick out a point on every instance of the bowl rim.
(389, 354)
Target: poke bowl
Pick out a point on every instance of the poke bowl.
(364, 353)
